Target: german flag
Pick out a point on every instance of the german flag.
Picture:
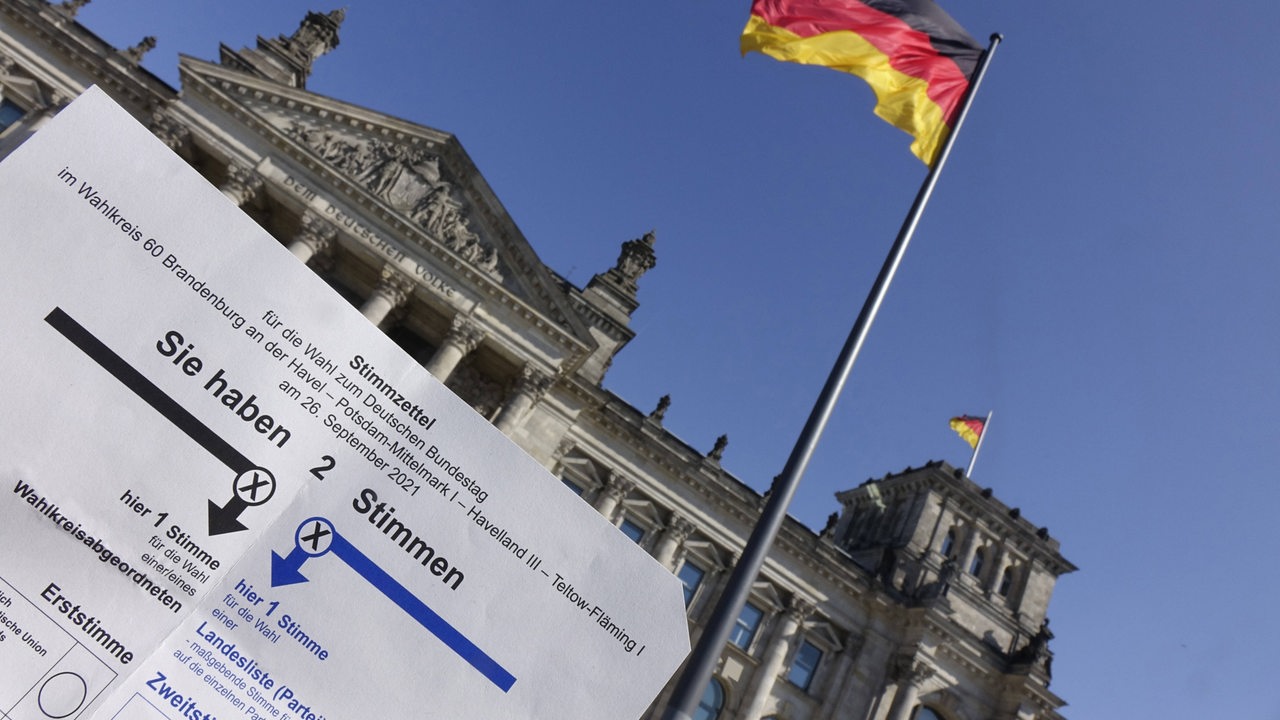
(970, 428)
(915, 57)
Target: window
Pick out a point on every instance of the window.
(979, 557)
(575, 487)
(949, 543)
(925, 713)
(805, 665)
(632, 530)
(10, 113)
(691, 577)
(1006, 582)
(712, 702)
(744, 631)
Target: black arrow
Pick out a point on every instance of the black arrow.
(226, 519)
(258, 484)
(163, 404)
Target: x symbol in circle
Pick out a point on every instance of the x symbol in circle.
(254, 486)
(316, 536)
(255, 482)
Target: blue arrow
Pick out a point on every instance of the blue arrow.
(287, 571)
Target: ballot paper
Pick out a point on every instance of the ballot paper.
(226, 494)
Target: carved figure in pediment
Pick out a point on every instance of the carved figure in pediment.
(387, 169)
(409, 179)
(431, 210)
(459, 238)
(351, 158)
(488, 261)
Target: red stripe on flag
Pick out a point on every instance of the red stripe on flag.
(909, 50)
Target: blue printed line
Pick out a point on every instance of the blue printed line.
(418, 610)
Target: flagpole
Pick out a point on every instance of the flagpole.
(702, 661)
(986, 425)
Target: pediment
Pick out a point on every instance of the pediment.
(764, 594)
(418, 179)
(824, 633)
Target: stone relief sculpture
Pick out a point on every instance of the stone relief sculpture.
(409, 180)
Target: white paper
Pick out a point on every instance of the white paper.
(195, 523)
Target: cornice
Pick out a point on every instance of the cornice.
(221, 87)
(91, 55)
(966, 498)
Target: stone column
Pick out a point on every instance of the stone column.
(996, 571)
(315, 236)
(463, 337)
(529, 389)
(775, 656)
(391, 293)
(843, 673)
(967, 547)
(241, 185)
(910, 675)
(672, 538)
(615, 490)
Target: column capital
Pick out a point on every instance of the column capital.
(464, 333)
(241, 184)
(907, 670)
(394, 285)
(533, 382)
(800, 608)
(316, 232)
(169, 130)
(618, 487)
(679, 528)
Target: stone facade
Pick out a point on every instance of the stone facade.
(923, 591)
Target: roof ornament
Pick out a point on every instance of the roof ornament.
(69, 8)
(636, 259)
(616, 287)
(660, 411)
(134, 55)
(288, 60)
(717, 452)
(317, 34)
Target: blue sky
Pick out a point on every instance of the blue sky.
(1097, 267)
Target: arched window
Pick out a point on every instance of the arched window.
(979, 557)
(948, 543)
(1006, 582)
(712, 702)
(924, 713)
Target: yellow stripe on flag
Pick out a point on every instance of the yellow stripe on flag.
(901, 100)
(969, 428)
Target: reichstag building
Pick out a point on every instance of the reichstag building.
(924, 598)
